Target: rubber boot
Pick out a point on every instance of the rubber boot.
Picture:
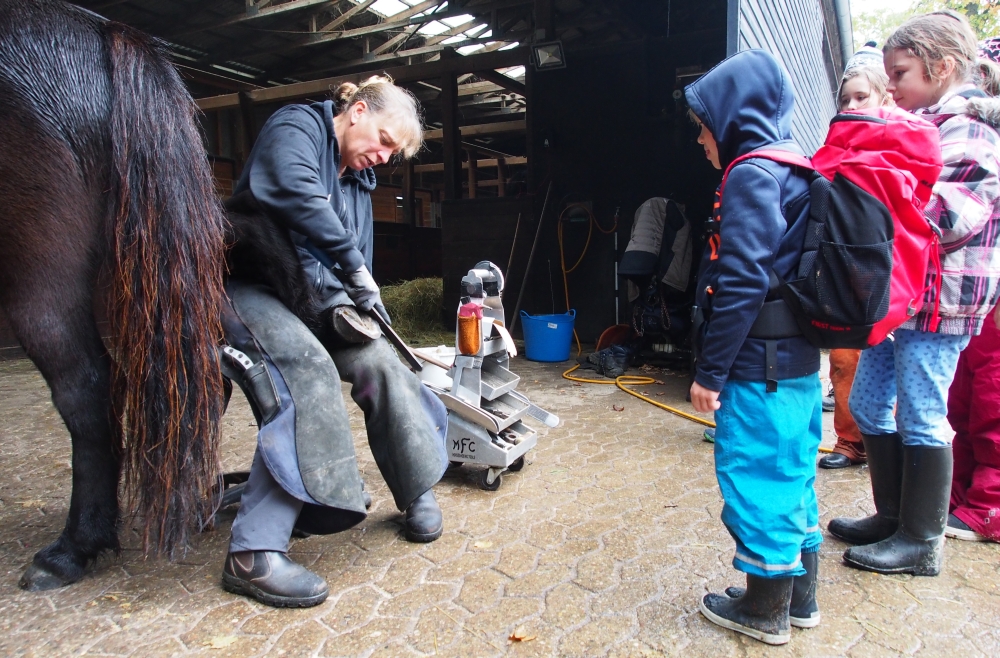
(885, 464)
(917, 546)
(803, 612)
(423, 522)
(761, 613)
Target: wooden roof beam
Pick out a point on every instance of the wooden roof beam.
(346, 16)
(401, 74)
(254, 12)
(480, 129)
(507, 82)
(393, 24)
(480, 164)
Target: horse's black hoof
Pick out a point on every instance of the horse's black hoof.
(39, 579)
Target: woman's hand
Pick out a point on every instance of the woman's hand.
(363, 291)
(703, 399)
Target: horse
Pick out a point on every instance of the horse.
(103, 178)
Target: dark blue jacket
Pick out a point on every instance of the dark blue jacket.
(292, 172)
(747, 103)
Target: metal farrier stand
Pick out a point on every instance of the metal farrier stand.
(486, 412)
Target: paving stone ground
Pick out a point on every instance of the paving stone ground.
(602, 545)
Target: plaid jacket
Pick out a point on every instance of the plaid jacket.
(965, 205)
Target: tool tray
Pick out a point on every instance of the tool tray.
(495, 380)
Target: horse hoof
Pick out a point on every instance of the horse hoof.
(38, 579)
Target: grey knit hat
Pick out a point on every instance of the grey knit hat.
(869, 55)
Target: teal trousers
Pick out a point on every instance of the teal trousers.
(765, 461)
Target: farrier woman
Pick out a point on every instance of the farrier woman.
(310, 172)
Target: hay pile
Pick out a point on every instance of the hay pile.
(415, 309)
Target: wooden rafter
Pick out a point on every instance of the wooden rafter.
(391, 24)
(401, 74)
(252, 12)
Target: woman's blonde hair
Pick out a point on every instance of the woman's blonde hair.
(877, 80)
(395, 105)
(934, 36)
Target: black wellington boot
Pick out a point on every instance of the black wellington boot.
(885, 465)
(918, 546)
(761, 613)
(424, 522)
(803, 611)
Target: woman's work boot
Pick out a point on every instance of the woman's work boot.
(761, 613)
(885, 464)
(424, 522)
(917, 546)
(273, 579)
(803, 611)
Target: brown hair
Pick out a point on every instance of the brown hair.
(383, 97)
(988, 76)
(877, 80)
(933, 37)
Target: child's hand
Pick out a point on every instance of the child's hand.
(703, 399)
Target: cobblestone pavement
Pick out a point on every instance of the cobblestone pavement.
(602, 545)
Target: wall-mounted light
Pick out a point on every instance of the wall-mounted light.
(548, 55)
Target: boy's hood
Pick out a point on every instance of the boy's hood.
(746, 101)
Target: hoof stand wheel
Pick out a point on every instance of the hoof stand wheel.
(485, 484)
(517, 464)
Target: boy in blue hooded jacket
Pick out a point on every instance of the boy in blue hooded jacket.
(762, 384)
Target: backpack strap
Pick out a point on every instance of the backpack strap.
(774, 321)
(775, 155)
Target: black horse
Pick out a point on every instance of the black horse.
(103, 179)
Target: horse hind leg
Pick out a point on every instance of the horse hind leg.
(48, 269)
(64, 344)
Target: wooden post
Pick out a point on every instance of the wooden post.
(501, 176)
(451, 137)
(545, 19)
(531, 128)
(409, 217)
(473, 173)
(249, 123)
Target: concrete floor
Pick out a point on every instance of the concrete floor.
(602, 545)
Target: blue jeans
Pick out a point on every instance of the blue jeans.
(902, 386)
(765, 461)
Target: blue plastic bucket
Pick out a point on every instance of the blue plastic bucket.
(547, 337)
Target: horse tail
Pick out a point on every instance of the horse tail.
(167, 229)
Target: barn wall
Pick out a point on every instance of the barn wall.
(608, 131)
(795, 32)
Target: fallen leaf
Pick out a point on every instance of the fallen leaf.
(521, 635)
(126, 615)
(575, 384)
(660, 382)
(483, 544)
(220, 642)
(618, 407)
